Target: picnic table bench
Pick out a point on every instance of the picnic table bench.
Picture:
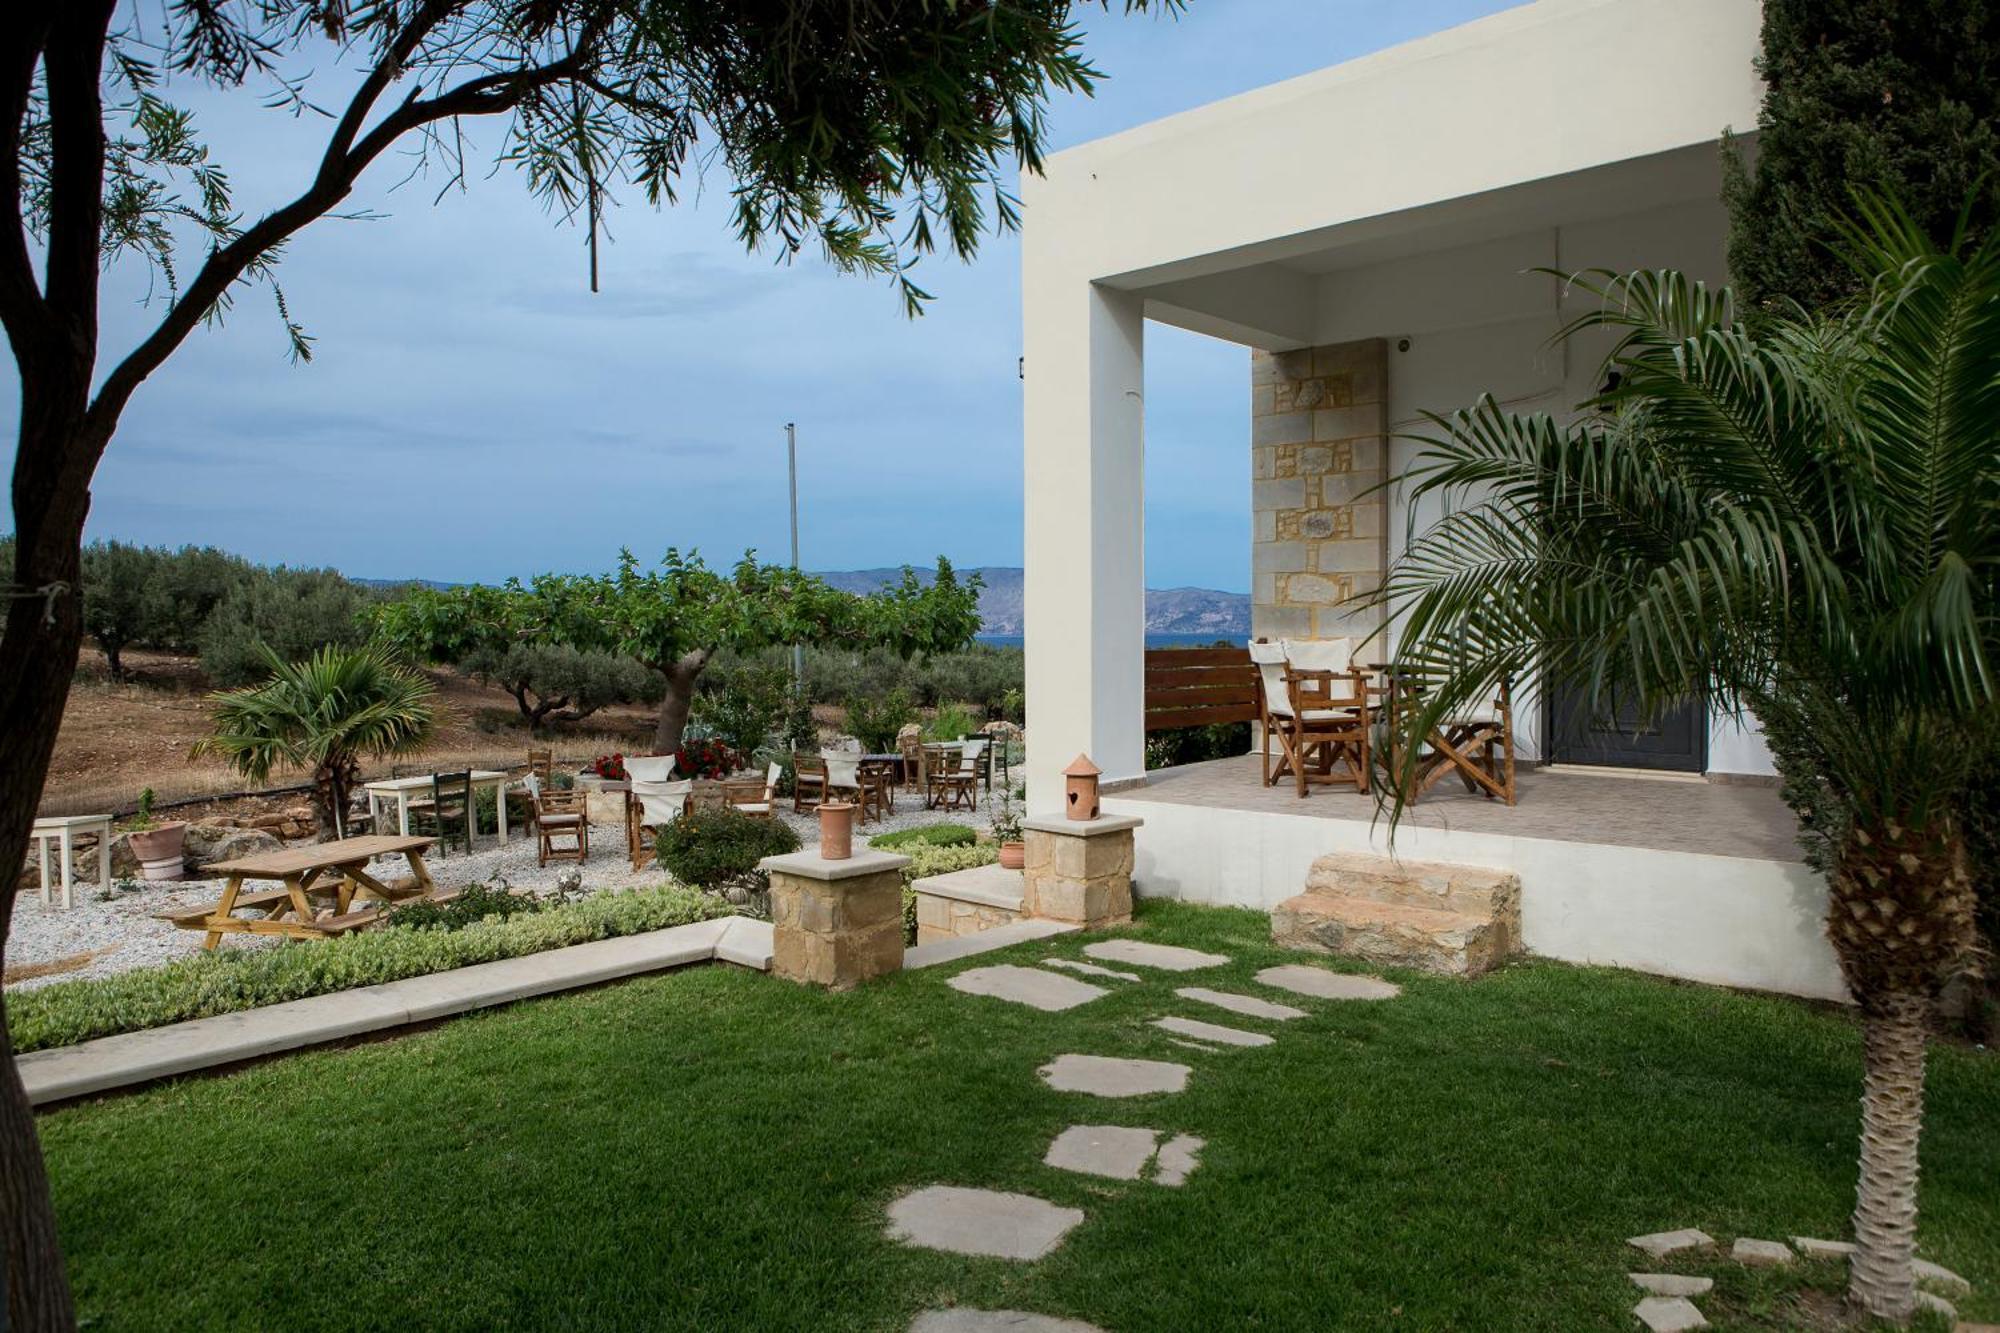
(336, 870)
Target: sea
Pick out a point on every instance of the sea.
(1152, 640)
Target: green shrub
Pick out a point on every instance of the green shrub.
(1194, 745)
(229, 981)
(931, 835)
(952, 722)
(554, 682)
(927, 860)
(709, 848)
(981, 676)
(294, 611)
(876, 719)
(478, 902)
(746, 708)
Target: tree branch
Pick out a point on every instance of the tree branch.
(488, 94)
(22, 309)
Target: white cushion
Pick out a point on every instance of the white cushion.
(650, 767)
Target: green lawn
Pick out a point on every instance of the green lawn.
(713, 1149)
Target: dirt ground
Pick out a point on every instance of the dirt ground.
(118, 737)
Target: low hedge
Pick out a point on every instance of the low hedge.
(930, 835)
(228, 981)
(927, 861)
(711, 848)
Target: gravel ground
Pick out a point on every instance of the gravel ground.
(126, 932)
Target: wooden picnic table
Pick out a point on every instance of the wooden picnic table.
(335, 869)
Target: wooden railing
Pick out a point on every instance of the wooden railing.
(1196, 687)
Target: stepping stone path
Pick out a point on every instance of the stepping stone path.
(1760, 1253)
(1321, 984)
(1669, 1314)
(1672, 1284)
(1027, 985)
(1091, 969)
(1930, 1300)
(1105, 1076)
(996, 1321)
(1660, 1244)
(1822, 1249)
(1120, 1153)
(1241, 1004)
(1166, 957)
(988, 1222)
(1212, 1032)
(1941, 1276)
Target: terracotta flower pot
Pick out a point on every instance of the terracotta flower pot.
(836, 830)
(1013, 855)
(158, 849)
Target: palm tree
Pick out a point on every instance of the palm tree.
(1800, 523)
(323, 714)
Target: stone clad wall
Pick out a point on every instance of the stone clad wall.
(1318, 440)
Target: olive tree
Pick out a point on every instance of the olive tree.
(873, 130)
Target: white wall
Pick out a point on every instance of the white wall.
(1725, 920)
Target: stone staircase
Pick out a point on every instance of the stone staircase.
(1450, 919)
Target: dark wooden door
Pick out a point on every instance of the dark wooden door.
(1618, 738)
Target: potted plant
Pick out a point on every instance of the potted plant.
(1007, 832)
(156, 845)
(606, 773)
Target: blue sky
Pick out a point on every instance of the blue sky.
(473, 411)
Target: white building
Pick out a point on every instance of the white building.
(1370, 231)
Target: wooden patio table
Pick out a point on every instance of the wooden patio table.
(336, 869)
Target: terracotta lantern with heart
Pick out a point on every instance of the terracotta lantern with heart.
(1080, 788)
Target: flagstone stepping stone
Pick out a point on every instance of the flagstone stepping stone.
(1660, 1244)
(996, 1321)
(1672, 1284)
(1091, 969)
(1213, 1032)
(1118, 1152)
(1930, 1300)
(1301, 979)
(1241, 1004)
(1194, 1045)
(1760, 1253)
(974, 1221)
(1939, 1275)
(1166, 957)
(1822, 1249)
(1177, 1159)
(1031, 986)
(1669, 1314)
(1107, 1076)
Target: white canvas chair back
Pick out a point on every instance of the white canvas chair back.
(968, 758)
(1319, 654)
(533, 786)
(1270, 661)
(842, 770)
(650, 768)
(772, 777)
(662, 802)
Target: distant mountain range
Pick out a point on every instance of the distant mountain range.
(1168, 610)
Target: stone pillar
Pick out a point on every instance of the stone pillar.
(836, 923)
(1318, 441)
(1078, 869)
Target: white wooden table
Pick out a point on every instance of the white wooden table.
(403, 790)
(64, 830)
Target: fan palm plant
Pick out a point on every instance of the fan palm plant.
(1800, 524)
(323, 714)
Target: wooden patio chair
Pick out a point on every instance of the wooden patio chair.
(979, 754)
(541, 763)
(448, 806)
(1332, 719)
(808, 781)
(755, 796)
(949, 779)
(559, 815)
(652, 801)
(1477, 745)
(912, 748)
(848, 779)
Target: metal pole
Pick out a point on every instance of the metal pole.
(792, 461)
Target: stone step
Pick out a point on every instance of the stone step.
(1475, 890)
(1429, 939)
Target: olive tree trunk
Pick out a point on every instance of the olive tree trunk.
(681, 674)
(1894, 1032)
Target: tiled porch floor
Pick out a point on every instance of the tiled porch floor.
(1714, 818)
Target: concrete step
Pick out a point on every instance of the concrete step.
(1430, 939)
(966, 902)
(1475, 890)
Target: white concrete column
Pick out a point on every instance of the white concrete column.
(1084, 548)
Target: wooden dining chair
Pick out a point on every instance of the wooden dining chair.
(653, 800)
(808, 781)
(1332, 715)
(563, 815)
(755, 796)
(448, 807)
(1476, 744)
